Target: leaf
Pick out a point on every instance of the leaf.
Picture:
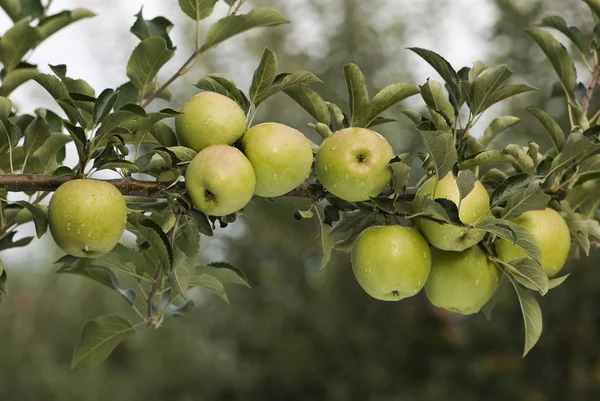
(466, 182)
(590, 165)
(224, 272)
(124, 259)
(476, 70)
(514, 233)
(263, 77)
(16, 78)
(440, 145)
(485, 85)
(337, 116)
(36, 134)
(99, 338)
(572, 32)
(155, 236)
(528, 273)
(358, 97)
(145, 62)
(579, 229)
(158, 26)
(384, 99)
(233, 25)
(115, 120)
(532, 316)
(197, 9)
(434, 96)
(39, 217)
(525, 199)
(443, 68)
(224, 85)
(509, 185)
(16, 42)
(497, 126)
(555, 282)
(210, 283)
(594, 6)
(400, 178)
(286, 81)
(43, 160)
(558, 56)
(52, 24)
(310, 101)
(104, 104)
(557, 136)
(576, 147)
(507, 92)
(327, 242)
(7, 242)
(181, 274)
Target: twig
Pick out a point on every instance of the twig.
(237, 8)
(590, 91)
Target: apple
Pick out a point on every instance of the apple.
(353, 164)
(551, 233)
(472, 210)
(220, 180)
(281, 157)
(210, 118)
(391, 262)
(461, 282)
(87, 217)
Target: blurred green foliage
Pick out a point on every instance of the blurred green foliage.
(305, 334)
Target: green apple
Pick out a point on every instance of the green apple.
(87, 217)
(220, 180)
(391, 262)
(210, 118)
(471, 210)
(281, 157)
(461, 282)
(551, 233)
(353, 164)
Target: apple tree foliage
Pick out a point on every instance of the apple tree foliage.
(113, 129)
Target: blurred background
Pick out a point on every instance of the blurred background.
(301, 333)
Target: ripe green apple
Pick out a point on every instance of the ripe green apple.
(391, 262)
(210, 118)
(281, 157)
(473, 209)
(353, 164)
(551, 233)
(461, 282)
(220, 180)
(87, 217)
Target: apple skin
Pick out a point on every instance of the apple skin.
(220, 180)
(87, 217)
(280, 155)
(391, 262)
(210, 119)
(461, 282)
(551, 234)
(353, 164)
(473, 209)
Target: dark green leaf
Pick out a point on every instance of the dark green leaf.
(514, 233)
(507, 92)
(358, 97)
(225, 86)
(263, 77)
(158, 26)
(466, 182)
(224, 272)
(16, 42)
(36, 134)
(104, 104)
(572, 32)
(39, 217)
(443, 68)
(7, 242)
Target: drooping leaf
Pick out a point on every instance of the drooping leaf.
(39, 217)
(572, 32)
(99, 338)
(326, 240)
(310, 101)
(16, 78)
(576, 148)
(7, 242)
(528, 273)
(400, 178)
(440, 145)
(532, 316)
(513, 233)
(155, 236)
(466, 182)
(558, 56)
(224, 272)
(557, 136)
(224, 85)
(210, 283)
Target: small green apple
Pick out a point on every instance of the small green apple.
(353, 164)
(473, 209)
(391, 262)
(220, 180)
(87, 217)
(551, 233)
(210, 118)
(281, 157)
(461, 282)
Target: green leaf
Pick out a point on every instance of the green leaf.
(507, 92)
(36, 134)
(155, 236)
(104, 104)
(358, 97)
(145, 62)
(124, 259)
(60, 93)
(466, 182)
(555, 282)
(115, 120)
(233, 25)
(99, 338)
(16, 42)
(336, 116)
(180, 276)
(16, 78)
(224, 272)
(327, 242)
(286, 81)
(224, 85)
(43, 160)
(514, 233)
(594, 6)
(497, 126)
(558, 56)
(7, 242)
(39, 217)
(476, 70)
(5, 108)
(210, 283)
(401, 175)
(263, 77)
(434, 96)
(12, 8)
(572, 32)
(345, 232)
(158, 26)
(528, 273)
(386, 98)
(443, 68)
(197, 9)
(576, 148)
(557, 136)
(532, 316)
(579, 229)
(485, 85)
(440, 145)
(310, 101)
(52, 24)
(525, 199)
(128, 93)
(591, 165)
